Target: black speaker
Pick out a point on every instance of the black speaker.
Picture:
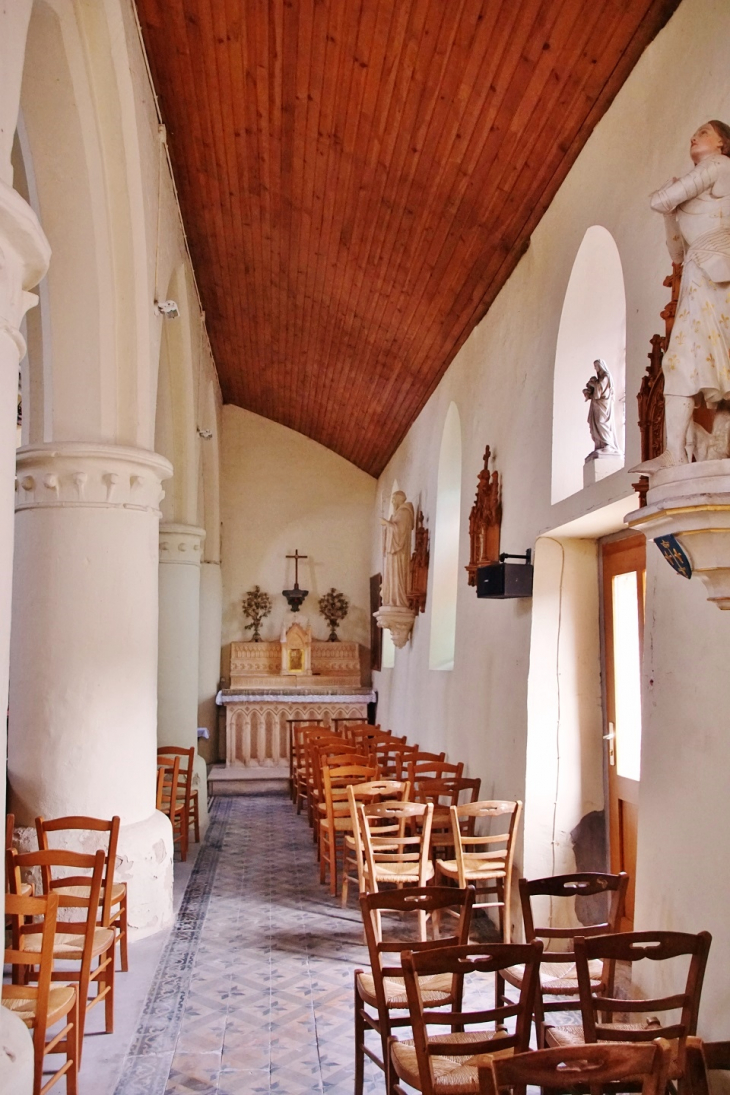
(504, 580)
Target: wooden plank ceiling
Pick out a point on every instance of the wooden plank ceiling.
(358, 178)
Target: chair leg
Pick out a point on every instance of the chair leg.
(123, 954)
(72, 1049)
(323, 834)
(359, 1043)
(109, 983)
(333, 864)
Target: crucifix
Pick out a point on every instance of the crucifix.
(295, 596)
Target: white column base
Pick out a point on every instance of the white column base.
(16, 1055)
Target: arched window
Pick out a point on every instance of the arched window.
(445, 582)
(592, 325)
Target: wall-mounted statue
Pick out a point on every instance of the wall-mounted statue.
(485, 521)
(696, 209)
(418, 583)
(599, 392)
(396, 613)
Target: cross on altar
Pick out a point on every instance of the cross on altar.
(295, 596)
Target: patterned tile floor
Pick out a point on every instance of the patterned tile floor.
(253, 992)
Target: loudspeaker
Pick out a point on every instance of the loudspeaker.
(503, 580)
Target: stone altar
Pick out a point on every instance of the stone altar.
(297, 677)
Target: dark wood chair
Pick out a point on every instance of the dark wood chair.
(701, 1058)
(380, 993)
(558, 978)
(583, 1068)
(604, 1015)
(171, 799)
(42, 1005)
(439, 1063)
(186, 792)
(113, 894)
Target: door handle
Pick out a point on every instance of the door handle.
(610, 737)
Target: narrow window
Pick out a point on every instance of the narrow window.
(445, 581)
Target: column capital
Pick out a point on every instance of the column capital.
(24, 257)
(181, 544)
(89, 475)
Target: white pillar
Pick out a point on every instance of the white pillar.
(179, 639)
(83, 682)
(24, 255)
(211, 616)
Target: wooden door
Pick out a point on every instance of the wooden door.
(624, 584)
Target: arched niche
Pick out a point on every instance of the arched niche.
(592, 325)
(445, 580)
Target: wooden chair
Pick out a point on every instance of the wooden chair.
(188, 793)
(381, 992)
(558, 978)
(424, 765)
(375, 791)
(79, 941)
(296, 751)
(621, 1065)
(599, 1007)
(702, 1057)
(484, 860)
(392, 757)
(330, 755)
(113, 894)
(303, 734)
(334, 817)
(445, 793)
(393, 854)
(26, 888)
(316, 748)
(42, 1005)
(171, 799)
(439, 1063)
(343, 726)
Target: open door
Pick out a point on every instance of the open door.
(624, 585)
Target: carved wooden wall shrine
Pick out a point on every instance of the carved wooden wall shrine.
(485, 521)
(419, 567)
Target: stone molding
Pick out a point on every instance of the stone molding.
(181, 544)
(89, 475)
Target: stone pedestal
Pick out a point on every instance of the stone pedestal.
(83, 682)
(399, 622)
(179, 646)
(691, 504)
(597, 467)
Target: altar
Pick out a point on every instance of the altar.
(271, 683)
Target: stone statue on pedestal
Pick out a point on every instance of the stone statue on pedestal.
(397, 551)
(696, 212)
(599, 391)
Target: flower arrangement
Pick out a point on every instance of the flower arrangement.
(256, 606)
(334, 607)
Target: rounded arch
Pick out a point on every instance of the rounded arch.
(445, 579)
(592, 325)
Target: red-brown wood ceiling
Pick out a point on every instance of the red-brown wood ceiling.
(358, 179)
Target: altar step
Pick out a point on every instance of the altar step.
(242, 780)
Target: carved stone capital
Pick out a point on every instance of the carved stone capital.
(399, 622)
(24, 257)
(181, 544)
(690, 505)
(89, 475)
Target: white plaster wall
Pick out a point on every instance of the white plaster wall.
(280, 491)
(502, 383)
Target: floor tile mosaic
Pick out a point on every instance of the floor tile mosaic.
(253, 992)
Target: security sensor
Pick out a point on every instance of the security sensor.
(167, 308)
(205, 434)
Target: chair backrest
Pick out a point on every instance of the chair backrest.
(420, 768)
(568, 887)
(446, 791)
(169, 782)
(471, 960)
(9, 830)
(82, 824)
(409, 906)
(581, 1067)
(392, 757)
(337, 778)
(25, 914)
(187, 765)
(598, 1007)
(388, 844)
(482, 848)
(74, 890)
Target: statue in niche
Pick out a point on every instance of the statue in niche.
(397, 531)
(599, 392)
(696, 212)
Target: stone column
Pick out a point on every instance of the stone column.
(83, 682)
(179, 646)
(24, 256)
(211, 614)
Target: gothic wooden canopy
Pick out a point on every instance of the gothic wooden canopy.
(358, 178)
